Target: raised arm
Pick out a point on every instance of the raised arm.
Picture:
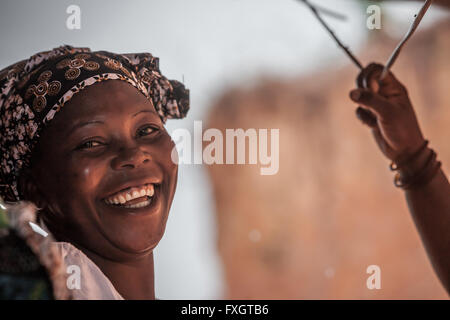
(385, 107)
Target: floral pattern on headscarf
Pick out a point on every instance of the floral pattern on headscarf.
(32, 92)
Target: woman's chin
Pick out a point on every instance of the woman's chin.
(136, 243)
(135, 230)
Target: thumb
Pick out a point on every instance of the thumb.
(372, 101)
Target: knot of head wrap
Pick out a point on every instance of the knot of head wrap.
(32, 91)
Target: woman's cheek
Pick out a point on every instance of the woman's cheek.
(170, 153)
(85, 176)
(171, 168)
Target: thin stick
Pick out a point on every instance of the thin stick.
(331, 13)
(345, 48)
(415, 24)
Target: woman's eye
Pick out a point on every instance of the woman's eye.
(145, 131)
(89, 144)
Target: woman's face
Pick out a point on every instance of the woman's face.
(107, 145)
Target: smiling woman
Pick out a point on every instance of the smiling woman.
(95, 157)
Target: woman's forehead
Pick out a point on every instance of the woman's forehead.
(109, 99)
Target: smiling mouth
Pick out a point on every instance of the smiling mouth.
(133, 197)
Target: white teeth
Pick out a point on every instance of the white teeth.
(131, 193)
(139, 205)
(150, 191)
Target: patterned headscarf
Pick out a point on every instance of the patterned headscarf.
(32, 91)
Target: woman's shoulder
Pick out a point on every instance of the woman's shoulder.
(30, 267)
(84, 278)
(35, 266)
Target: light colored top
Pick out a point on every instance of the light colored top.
(64, 262)
(85, 280)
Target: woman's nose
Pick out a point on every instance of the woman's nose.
(130, 158)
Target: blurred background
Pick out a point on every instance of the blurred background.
(310, 231)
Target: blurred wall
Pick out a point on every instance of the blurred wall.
(310, 231)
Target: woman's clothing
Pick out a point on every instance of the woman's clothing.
(93, 284)
(34, 266)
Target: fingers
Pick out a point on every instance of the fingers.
(366, 117)
(379, 105)
(369, 78)
(367, 73)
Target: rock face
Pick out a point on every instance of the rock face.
(311, 231)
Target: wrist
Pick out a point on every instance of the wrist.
(408, 160)
(416, 164)
(418, 170)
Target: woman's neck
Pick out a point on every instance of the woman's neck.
(134, 280)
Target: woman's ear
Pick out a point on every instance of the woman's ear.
(29, 189)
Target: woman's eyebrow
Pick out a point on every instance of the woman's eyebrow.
(145, 110)
(85, 123)
(82, 124)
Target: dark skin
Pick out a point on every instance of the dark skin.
(386, 108)
(105, 139)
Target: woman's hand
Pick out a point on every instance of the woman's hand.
(385, 107)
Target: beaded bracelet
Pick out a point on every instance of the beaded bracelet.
(401, 162)
(422, 177)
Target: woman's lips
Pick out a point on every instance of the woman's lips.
(132, 195)
(141, 206)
